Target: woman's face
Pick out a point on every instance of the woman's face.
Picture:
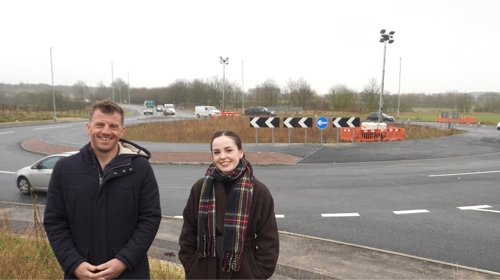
(225, 154)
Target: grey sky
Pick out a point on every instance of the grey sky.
(444, 45)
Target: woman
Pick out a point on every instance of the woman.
(229, 229)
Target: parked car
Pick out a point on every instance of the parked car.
(147, 111)
(169, 109)
(159, 108)
(259, 111)
(373, 116)
(36, 177)
(498, 126)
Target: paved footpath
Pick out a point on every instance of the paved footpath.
(301, 257)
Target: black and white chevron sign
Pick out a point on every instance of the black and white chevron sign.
(264, 122)
(346, 122)
(297, 122)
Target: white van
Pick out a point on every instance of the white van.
(206, 111)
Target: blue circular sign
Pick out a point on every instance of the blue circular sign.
(321, 122)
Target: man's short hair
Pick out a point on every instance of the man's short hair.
(107, 107)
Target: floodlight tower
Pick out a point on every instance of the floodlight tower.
(384, 38)
(224, 62)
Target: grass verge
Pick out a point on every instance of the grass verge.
(201, 130)
(25, 253)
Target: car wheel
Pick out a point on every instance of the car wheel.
(210, 115)
(24, 185)
(198, 115)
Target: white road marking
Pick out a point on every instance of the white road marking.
(7, 172)
(6, 132)
(280, 216)
(478, 208)
(410, 212)
(50, 127)
(467, 173)
(340, 215)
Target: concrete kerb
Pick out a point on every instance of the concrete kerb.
(37, 145)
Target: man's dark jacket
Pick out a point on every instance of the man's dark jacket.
(96, 215)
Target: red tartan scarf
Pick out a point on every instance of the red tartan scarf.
(235, 219)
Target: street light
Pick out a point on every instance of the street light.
(384, 38)
(242, 90)
(112, 87)
(223, 61)
(53, 94)
(399, 95)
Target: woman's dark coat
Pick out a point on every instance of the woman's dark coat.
(93, 221)
(261, 250)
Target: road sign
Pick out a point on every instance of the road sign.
(322, 122)
(149, 104)
(346, 122)
(265, 122)
(297, 122)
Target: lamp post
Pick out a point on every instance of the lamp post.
(53, 94)
(399, 95)
(128, 82)
(242, 91)
(223, 61)
(112, 80)
(384, 38)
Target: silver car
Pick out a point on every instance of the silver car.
(36, 177)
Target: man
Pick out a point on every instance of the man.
(103, 206)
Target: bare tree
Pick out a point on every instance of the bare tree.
(121, 87)
(342, 98)
(81, 90)
(267, 93)
(464, 102)
(370, 95)
(301, 94)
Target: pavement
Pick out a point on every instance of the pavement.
(301, 257)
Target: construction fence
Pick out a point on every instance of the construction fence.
(459, 120)
(360, 134)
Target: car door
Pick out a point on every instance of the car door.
(41, 172)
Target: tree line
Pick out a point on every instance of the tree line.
(295, 93)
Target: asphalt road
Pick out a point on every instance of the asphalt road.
(405, 196)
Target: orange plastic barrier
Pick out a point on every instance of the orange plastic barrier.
(346, 134)
(393, 134)
(372, 135)
(228, 114)
(460, 120)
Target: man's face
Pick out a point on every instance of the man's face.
(105, 130)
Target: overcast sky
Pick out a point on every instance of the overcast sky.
(443, 45)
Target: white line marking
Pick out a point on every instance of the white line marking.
(280, 216)
(50, 127)
(478, 208)
(178, 217)
(410, 212)
(468, 173)
(7, 172)
(6, 132)
(340, 215)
